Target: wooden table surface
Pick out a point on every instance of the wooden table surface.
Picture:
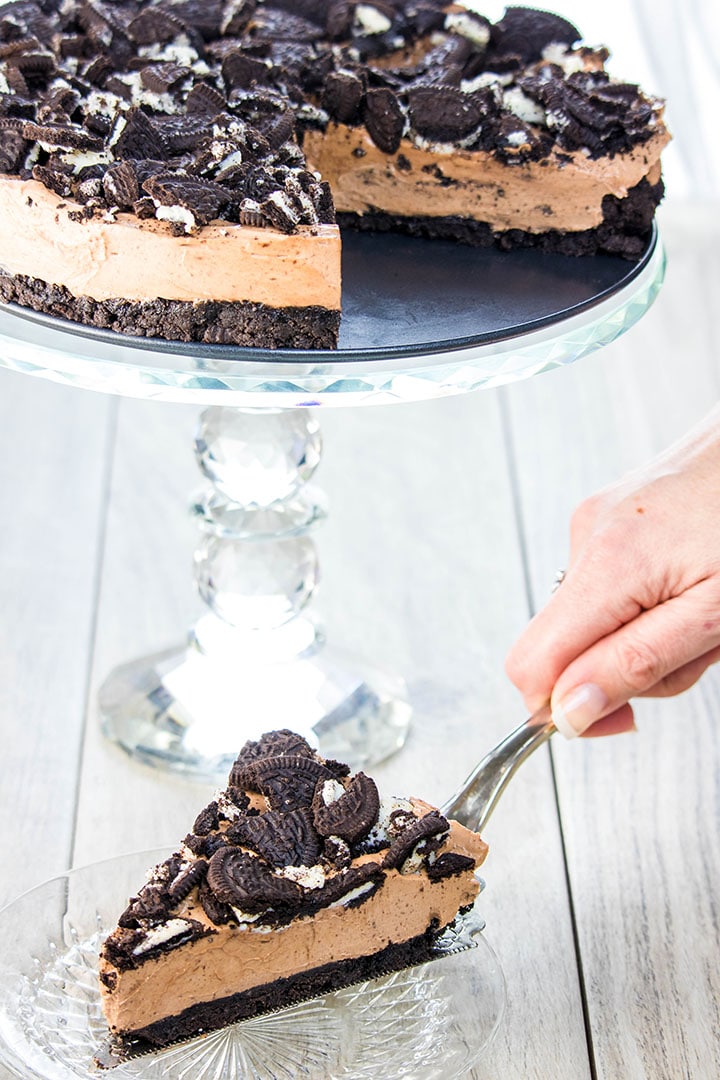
(449, 519)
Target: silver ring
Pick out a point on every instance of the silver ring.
(559, 578)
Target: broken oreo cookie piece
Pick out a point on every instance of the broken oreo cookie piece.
(430, 826)
(282, 839)
(343, 96)
(449, 864)
(139, 138)
(288, 781)
(186, 881)
(273, 744)
(349, 814)
(120, 184)
(442, 113)
(61, 136)
(202, 199)
(384, 119)
(525, 32)
(248, 883)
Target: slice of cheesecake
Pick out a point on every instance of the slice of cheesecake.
(297, 879)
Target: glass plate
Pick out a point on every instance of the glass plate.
(428, 1022)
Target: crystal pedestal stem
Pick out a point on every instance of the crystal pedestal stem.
(257, 659)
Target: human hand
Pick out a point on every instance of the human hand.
(638, 613)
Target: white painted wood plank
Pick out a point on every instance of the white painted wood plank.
(147, 602)
(53, 448)
(639, 813)
(421, 574)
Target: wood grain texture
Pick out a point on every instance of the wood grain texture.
(146, 603)
(53, 459)
(54, 449)
(639, 813)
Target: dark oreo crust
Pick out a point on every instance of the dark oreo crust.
(239, 323)
(278, 994)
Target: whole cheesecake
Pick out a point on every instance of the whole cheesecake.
(296, 879)
(178, 169)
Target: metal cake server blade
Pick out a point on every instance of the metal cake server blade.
(475, 801)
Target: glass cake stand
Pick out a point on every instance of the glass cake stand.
(420, 320)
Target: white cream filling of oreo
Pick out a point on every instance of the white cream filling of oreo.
(160, 934)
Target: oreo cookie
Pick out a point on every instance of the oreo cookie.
(62, 136)
(207, 819)
(352, 814)
(427, 828)
(54, 179)
(204, 98)
(273, 744)
(282, 839)
(216, 911)
(384, 119)
(287, 780)
(525, 32)
(242, 70)
(342, 96)
(201, 198)
(150, 906)
(449, 864)
(248, 883)
(139, 138)
(443, 113)
(162, 78)
(13, 148)
(120, 185)
(186, 881)
(155, 25)
(350, 887)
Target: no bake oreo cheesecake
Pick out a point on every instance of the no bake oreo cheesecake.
(176, 169)
(296, 879)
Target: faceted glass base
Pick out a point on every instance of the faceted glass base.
(191, 712)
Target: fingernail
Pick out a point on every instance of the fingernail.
(579, 709)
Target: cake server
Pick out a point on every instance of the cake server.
(475, 801)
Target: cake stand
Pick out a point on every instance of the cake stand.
(420, 320)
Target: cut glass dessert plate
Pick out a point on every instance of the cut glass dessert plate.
(425, 1023)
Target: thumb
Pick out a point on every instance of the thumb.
(634, 658)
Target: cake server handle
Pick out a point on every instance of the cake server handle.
(473, 804)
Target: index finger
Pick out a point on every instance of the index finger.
(579, 613)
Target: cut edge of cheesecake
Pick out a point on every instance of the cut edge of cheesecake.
(229, 283)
